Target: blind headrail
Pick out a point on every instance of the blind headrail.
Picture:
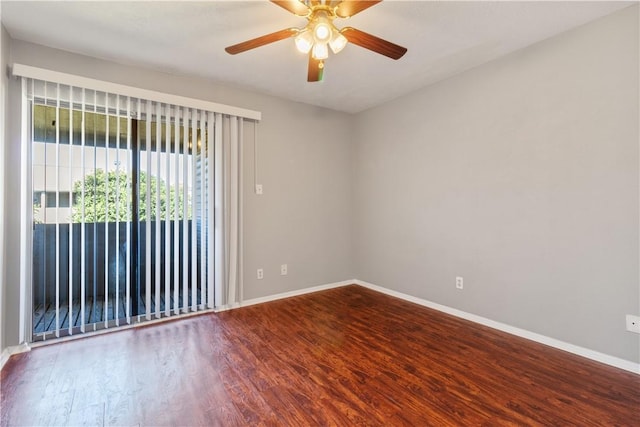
(21, 70)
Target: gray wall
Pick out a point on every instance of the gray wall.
(521, 176)
(4, 60)
(303, 218)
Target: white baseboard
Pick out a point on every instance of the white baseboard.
(552, 342)
(10, 351)
(297, 292)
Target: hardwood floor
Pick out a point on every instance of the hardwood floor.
(346, 356)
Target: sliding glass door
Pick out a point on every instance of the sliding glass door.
(122, 210)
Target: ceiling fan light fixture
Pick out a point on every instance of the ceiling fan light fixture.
(338, 42)
(320, 51)
(320, 33)
(322, 30)
(304, 41)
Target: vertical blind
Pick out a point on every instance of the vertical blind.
(125, 194)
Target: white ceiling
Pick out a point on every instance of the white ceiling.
(188, 38)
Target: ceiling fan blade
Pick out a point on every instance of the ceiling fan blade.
(316, 69)
(348, 8)
(373, 43)
(261, 41)
(294, 6)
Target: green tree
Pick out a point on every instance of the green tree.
(101, 205)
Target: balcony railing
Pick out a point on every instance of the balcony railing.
(58, 253)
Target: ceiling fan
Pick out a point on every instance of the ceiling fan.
(320, 33)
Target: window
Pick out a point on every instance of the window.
(136, 176)
(131, 242)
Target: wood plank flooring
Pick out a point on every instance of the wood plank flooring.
(342, 357)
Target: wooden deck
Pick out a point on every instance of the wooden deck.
(341, 357)
(44, 315)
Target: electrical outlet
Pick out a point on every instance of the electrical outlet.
(283, 270)
(259, 189)
(260, 274)
(459, 282)
(633, 323)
